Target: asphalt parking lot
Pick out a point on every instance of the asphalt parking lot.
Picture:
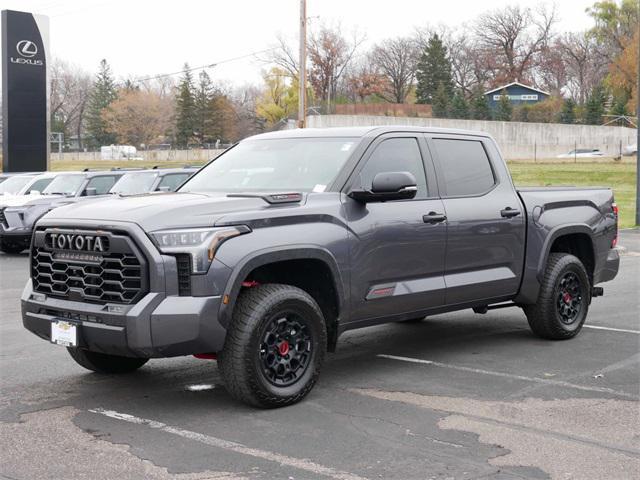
(458, 396)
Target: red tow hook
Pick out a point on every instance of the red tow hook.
(206, 356)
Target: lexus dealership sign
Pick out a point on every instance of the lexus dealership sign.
(25, 99)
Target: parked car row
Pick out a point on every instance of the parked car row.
(24, 198)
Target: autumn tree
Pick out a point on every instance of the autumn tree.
(396, 60)
(103, 92)
(279, 98)
(185, 109)
(433, 69)
(330, 53)
(138, 117)
(364, 81)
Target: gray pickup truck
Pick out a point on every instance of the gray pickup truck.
(271, 251)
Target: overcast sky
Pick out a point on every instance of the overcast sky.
(145, 37)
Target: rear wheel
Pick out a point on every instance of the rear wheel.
(275, 346)
(563, 301)
(103, 363)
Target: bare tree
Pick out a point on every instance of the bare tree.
(396, 59)
(69, 93)
(515, 36)
(284, 56)
(586, 67)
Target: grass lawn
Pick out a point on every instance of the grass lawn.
(619, 176)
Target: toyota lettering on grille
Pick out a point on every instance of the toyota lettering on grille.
(77, 241)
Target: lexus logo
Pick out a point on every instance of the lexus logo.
(27, 48)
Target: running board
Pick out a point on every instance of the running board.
(485, 308)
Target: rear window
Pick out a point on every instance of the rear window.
(465, 167)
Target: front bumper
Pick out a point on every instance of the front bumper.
(156, 326)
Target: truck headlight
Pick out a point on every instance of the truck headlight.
(200, 243)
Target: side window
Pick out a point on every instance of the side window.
(465, 167)
(396, 155)
(173, 180)
(102, 184)
(39, 185)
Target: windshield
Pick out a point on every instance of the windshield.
(13, 185)
(64, 184)
(134, 183)
(296, 164)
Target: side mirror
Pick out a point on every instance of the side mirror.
(164, 189)
(388, 186)
(90, 191)
(34, 192)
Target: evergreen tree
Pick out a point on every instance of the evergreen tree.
(459, 106)
(440, 104)
(568, 112)
(204, 110)
(185, 109)
(434, 68)
(504, 109)
(480, 106)
(103, 93)
(595, 106)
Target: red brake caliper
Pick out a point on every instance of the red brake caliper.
(566, 297)
(283, 348)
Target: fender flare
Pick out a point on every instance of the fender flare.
(554, 234)
(271, 255)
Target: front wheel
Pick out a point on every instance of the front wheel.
(563, 301)
(275, 346)
(103, 363)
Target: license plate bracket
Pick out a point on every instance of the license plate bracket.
(64, 333)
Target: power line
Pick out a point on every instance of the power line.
(202, 67)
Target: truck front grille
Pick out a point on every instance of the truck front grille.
(117, 275)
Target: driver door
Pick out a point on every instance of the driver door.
(398, 247)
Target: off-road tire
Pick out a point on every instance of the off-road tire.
(240, 361)
(543, 316)
(103, 363)
(12, 248)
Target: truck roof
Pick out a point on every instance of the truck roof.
(361, 132)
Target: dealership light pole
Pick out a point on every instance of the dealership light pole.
(302, 76)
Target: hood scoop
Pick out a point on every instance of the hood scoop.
(271, 198)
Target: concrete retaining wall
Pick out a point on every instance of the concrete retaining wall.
(517, 140)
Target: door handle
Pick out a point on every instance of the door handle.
(509, 212)
(434, 217)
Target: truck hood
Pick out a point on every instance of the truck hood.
(157, 211)
(17, 200)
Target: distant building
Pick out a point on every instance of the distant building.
(518, 93)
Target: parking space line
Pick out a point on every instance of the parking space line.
(611, 329)
(299, 463)
(543, 381)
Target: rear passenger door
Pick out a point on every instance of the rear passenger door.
(486, 224)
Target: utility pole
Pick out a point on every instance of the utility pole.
(302, 80)
(638, 143)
